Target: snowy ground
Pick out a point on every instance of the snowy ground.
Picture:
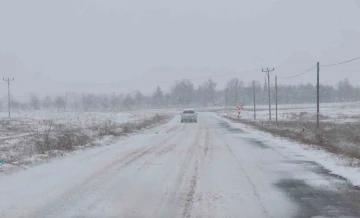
(213, 168)
(23, 123)
(80, 117)
(339, 131)
(21, 136)
(336, 164)
(329, 112)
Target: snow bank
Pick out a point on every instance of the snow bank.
(337, 164)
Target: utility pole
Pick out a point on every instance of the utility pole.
(226, 97)
(318, 96)
(267, 71)
(276, 99)
(8, 80)
(254, 101)
(83, 101)
(236, 92)
(65, 101)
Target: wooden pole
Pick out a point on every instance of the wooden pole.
(276, 99)
(318, 96)
(254, 100)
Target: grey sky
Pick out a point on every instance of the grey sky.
(124, 45)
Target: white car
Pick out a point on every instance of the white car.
(189, 115)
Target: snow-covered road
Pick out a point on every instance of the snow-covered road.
(204, 169)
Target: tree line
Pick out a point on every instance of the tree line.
(184, 94)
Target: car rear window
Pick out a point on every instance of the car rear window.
(189, 112)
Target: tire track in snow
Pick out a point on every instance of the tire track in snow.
(176, 194)
(190, 193)
(137, 195)
(207, 145)
(189, 198)
(159, 129)
(256, 194)
(167, 149)
(97, 178)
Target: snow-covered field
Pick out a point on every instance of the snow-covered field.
(329, 112)
(32, 136)
(62, 117)
(31, 119)
(213, 168)
(338, 137)
(27, 123)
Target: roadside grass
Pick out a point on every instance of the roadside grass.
(336, 138)
(45, 139)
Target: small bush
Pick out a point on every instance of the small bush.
(113, 129)
(48, 137)
(69, 140)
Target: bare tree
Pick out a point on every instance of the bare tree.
(139, 99)
(47, 102)
(104, 102)
(129, 102)
(206, 92)
(115, 102)
(235, 91)
(345, 90)
(158, 98)
(34, 101)
(59, 102)
(182, 93)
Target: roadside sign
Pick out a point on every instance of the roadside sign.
(239, 108)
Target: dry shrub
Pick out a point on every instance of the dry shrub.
(68, 140)
(65, 140)
(49, 137)
(113, 129)
(43, 135)
(126, 129)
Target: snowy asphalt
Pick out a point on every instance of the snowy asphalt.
(204, 169)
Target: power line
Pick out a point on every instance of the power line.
(211, 76)
(344, 62)
(290, 77)
(344, 71)
(191, 78)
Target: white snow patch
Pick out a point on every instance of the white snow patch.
(17, 135)
(345, 112)
(336, 164)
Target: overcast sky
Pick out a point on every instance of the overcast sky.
(125, 45)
